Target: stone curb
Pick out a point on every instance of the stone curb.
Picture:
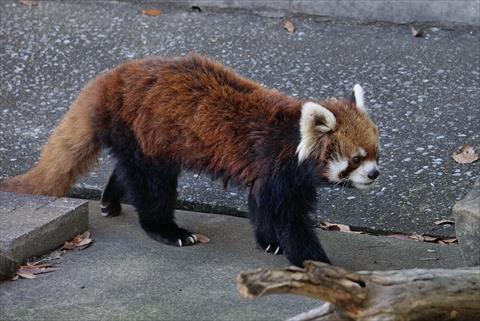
(467, 220)
(409, 11)
(33, 225)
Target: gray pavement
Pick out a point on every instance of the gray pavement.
(125, 275)
(422, 92)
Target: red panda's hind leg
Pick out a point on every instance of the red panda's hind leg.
(112, 195)
(152, 186)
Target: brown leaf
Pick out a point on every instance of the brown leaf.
(415, 32)
(26, 275)
(450, 241)
(326, 225)
(427, 238)
(202, 238)
(81, 241)
(442, 222)
(337, 227)
(289, 26)
(36, 269)
(32, 268)
(465, 155)
(69, 246)
(417, 237)
(84, 242)
(152, 12)
(29, 3)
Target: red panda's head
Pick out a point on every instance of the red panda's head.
(340, 135)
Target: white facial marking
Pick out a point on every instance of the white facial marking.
(310, 129)
(362, 152)
(359, 97)
(335, 168)
(359, 177)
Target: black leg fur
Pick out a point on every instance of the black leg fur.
(152, 186)
(264, 229)
(112, 195)
(283, 202)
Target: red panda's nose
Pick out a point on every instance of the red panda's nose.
(373, 173)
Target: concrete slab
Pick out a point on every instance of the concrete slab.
(406, 11)
(467, 219)
(125, 275)
(7, 267)
(422, 92)
(32, 225)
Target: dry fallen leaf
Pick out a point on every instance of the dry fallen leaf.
(442, 222)
(289, 26)
(450, 241)
(152, 12)
(432, 239)
(415, 32)
(423, 238)
(465, 155)
(417, 237)
(427, 238)
(29, 3)
(30, 270)
(202, 238)
(81, 241)
(337, 227)
(25, 275)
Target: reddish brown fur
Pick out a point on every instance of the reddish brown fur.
(198, 112)
(191, 110)
(68, 154)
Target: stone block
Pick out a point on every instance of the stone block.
(34, 225)
(467, 221)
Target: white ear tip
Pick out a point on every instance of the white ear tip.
(357, 87)
(359, 97)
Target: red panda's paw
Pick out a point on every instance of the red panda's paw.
(274, 248)
(110, 209)
(177, 236)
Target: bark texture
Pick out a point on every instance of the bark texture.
(402, 295)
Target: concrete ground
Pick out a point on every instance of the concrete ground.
(422, 92)
(125, 275)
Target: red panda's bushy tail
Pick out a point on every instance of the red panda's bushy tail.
(70, 151)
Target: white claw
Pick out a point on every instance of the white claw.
(180, 242)
(195, 238)
(268, 248)
(277, 250)
(102, 206)
(192, 241)
(104, 214)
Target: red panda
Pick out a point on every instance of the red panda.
(161, 116)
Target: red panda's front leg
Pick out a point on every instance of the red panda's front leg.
(281, 216)
(265, 233)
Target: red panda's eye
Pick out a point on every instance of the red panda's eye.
(356, 160)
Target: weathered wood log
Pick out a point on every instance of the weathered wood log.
(403, 295)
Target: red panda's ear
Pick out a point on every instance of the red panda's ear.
(315, 121)
(357, 98)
